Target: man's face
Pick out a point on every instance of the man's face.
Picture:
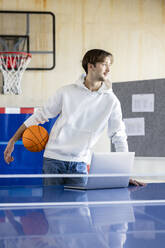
(101, 71)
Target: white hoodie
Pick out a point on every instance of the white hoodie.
(83, 116)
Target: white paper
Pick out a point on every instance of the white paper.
(135, 126)
(143, 103)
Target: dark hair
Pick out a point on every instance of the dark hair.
(94, 56)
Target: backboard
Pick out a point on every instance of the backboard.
(30, 32)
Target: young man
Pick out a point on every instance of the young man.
(85, 108)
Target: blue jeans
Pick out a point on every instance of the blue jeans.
(53, 166)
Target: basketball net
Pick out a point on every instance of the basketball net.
(13, 65)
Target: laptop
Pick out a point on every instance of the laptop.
(102, 169)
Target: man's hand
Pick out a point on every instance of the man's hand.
(8, 151)
(10, 147)
(136, 183)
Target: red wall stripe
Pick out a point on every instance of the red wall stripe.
(2, 110)
(22, 111)
(27, 110)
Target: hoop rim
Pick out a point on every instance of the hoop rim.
(16, 53)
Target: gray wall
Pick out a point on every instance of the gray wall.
(153, 143)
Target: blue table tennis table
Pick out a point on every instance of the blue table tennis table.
(49, 216)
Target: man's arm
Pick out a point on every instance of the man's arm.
(10, 146)
(116, 131)
(50, 110)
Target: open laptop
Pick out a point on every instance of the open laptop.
(102, 168)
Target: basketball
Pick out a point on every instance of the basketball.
(35, 138)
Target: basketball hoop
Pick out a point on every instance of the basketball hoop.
(13, 65)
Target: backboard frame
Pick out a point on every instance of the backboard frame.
(53, 52)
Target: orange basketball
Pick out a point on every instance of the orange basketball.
(35, 138)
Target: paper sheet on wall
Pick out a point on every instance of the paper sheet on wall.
(135, 126)
(143, 103)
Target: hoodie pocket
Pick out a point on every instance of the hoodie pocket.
(73, 141)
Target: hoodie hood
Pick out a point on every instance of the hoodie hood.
(105, 88)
